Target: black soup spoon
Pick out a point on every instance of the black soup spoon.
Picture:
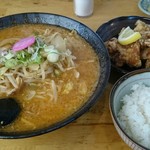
(9, 110)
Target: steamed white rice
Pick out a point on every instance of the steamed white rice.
(134, 115)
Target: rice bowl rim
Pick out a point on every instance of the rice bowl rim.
(111, 101)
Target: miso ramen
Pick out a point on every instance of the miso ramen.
(49, 70)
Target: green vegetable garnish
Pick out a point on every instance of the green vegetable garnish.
(27, 56)
(11, 63)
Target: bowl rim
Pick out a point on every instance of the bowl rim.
(120, 18)
(92, 99)
(141, 7)
(111, 100)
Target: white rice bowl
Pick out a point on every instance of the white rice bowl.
(134, 115)
(129, 104)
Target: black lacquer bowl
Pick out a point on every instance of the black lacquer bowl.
(90, 36)
(112, 28)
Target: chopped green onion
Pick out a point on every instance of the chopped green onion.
(10, 63)
(9, 55)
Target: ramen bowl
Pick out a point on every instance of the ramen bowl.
(112, 29)
(85, 33)
(126, 104)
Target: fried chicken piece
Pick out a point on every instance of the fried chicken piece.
(141, 26)
(112, 45)
(145, 43)
(144, 30)
(145, 54)
(147, 64)
(128, 54)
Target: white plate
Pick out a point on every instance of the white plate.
(144, 6)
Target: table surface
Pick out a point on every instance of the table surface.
(94, 130)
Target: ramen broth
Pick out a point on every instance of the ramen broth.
(74, 85)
